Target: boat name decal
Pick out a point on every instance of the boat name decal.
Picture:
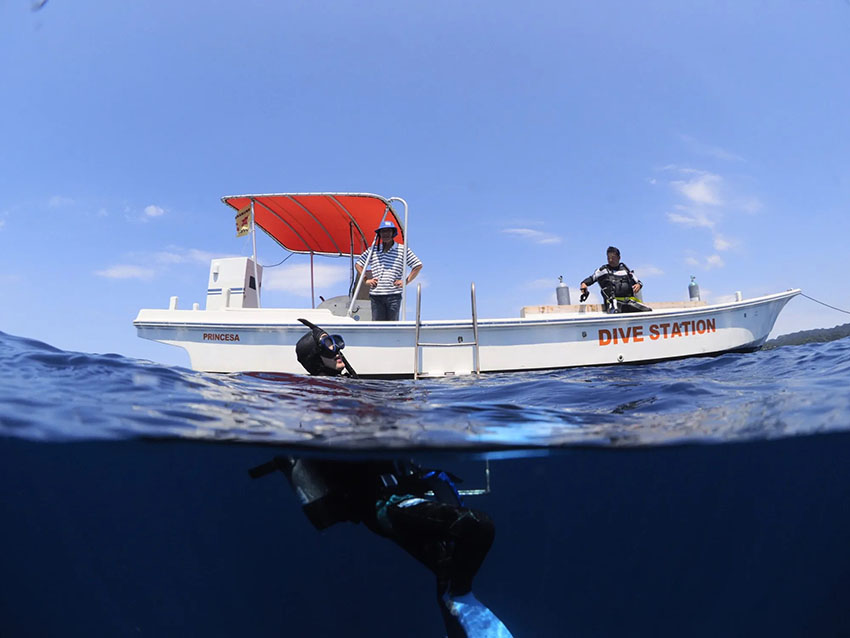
(656, 331)
(221, 336)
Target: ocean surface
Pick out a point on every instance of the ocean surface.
(699, 497)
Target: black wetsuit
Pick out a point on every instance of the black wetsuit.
(617, 283)
(420, 510)
(614, 282)
(390, 499)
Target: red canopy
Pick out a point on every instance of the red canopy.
(335, 224)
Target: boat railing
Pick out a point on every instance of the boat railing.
(420, 344)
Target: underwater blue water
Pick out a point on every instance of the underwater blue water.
(699, 497)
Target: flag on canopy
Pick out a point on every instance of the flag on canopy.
(243, 221)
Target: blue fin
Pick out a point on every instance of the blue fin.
(476, 620)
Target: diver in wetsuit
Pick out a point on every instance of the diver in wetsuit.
(321, 353)
(618, 285)
(417, 508)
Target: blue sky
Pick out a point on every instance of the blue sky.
(705, 137)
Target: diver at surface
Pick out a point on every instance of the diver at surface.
(419, 509)
(617, 283)
(320, 353)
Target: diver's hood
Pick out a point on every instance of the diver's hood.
(307, 352)
(317, 331)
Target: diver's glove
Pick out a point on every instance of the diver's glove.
(584, 295)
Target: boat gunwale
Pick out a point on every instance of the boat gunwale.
(347, 323)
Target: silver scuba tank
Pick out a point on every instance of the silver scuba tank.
(562, 292)
(320, 498)
(693, 289)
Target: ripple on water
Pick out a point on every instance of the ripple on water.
(49, 394)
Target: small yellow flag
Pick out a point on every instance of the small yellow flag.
(243, 221)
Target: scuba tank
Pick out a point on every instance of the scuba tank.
(693, 289)
(562, 292)
(322, 499)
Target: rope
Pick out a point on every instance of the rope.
(280, 262)
(846, 312)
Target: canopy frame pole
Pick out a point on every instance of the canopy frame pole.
(351, 271)
(404, 263)
(254, 256)
(312, 282)
(289, 226)
(318, 223)
(366, 264)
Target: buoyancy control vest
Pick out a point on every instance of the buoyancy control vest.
(614, 282)
(334, 491)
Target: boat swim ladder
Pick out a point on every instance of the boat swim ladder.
(420, 344)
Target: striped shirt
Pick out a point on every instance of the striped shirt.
(388, 267)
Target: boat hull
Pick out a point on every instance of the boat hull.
(263, 340)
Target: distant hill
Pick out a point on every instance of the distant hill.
(819, 335)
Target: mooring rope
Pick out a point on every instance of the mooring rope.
(846, 312)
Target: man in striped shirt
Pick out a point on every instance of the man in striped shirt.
(387, 267)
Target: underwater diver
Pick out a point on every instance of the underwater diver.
(419, 509)
(617, 283)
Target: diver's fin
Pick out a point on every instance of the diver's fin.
(470, 619)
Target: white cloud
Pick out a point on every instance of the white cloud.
(648, 271)
(156, 263)
(709, 263)
(296, 279)
(154, 211)
(708, 202)
(177, 256)
(702, 189)
(684, 170)
(711, 151)
(123, 271)
(723, 243)
(2, 223)
(200, 256)
(749, 204)
(536, 236)
(714, 261)
(57, 201)
(694, 219)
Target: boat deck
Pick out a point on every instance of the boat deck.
(588, 308)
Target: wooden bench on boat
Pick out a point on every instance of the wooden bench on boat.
(597, 307)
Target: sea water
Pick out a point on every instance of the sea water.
(700, 497)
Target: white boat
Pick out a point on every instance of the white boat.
(235, 334)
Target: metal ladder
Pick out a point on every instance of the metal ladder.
(420, 344)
